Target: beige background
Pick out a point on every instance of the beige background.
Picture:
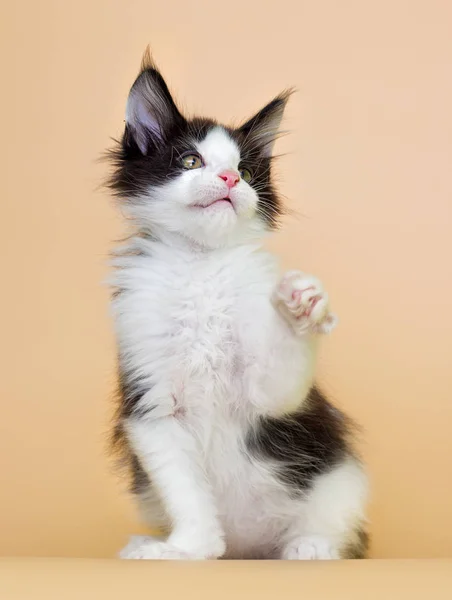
(369, 178)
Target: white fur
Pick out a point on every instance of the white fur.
(197, 322)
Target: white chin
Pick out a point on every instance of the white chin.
(212, 225)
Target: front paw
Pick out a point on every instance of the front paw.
(142, 547)
(304, 304)
(176, 547)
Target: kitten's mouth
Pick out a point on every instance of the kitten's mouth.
(219, 202)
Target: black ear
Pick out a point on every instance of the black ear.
(151, 112)
(262, 130)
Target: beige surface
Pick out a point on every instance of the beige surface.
(98, 579)
(369, 176)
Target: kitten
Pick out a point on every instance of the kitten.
(233, 451)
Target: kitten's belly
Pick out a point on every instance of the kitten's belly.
(209, 347)
(201, 364)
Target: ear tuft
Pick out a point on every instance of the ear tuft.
(147, 62)
(151, 111)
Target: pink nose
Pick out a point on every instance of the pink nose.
(231, 178)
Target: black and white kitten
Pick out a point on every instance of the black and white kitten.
(233, 451)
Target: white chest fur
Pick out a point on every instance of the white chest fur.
(200, 327)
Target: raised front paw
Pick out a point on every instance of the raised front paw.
(302, 301)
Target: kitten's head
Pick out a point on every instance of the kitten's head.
(207, 182)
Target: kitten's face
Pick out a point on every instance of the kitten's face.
(207, 182)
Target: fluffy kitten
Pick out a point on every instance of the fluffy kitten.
(233, 451)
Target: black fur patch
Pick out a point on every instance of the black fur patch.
(130, 392)
(359, 548)
(269, 205)
(139, 478)
(304, 444)
(134, 173)
(126, 461)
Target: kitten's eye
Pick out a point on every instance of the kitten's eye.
(192, 161)
(246, 175)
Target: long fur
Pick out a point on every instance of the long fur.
(232, 450)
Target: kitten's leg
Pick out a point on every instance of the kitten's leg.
(282, 371)
(304, 304)
(168, 453)
(331, 521)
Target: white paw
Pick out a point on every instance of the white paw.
(202, 544)
(304, 304)
(150, 548)
(141, 547)
(310, 548)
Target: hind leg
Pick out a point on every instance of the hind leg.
(331, 525)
